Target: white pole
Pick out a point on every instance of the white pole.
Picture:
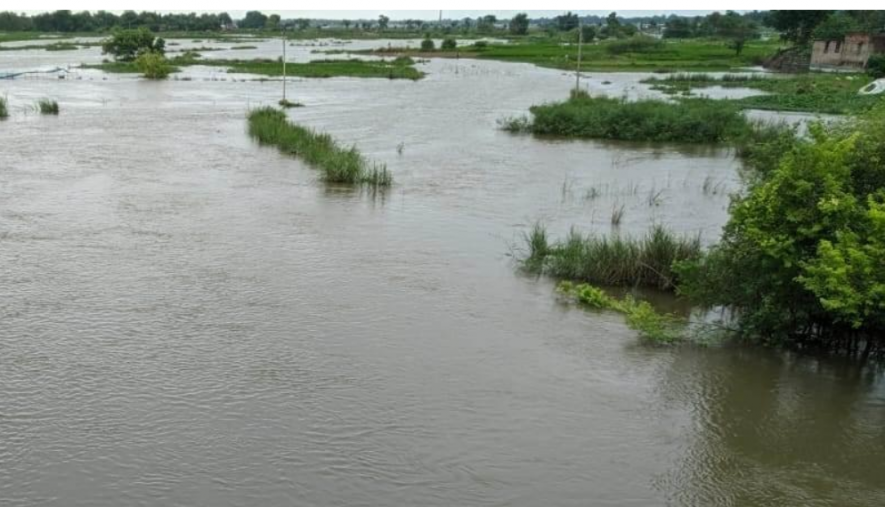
(284, 68)
(580, 43)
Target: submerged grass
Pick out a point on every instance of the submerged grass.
(47, 106)
(4, 110)
(613, 261)
(814, 92)
(339, 165)
(691, 121)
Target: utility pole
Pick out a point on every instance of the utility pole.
(284, 66)
(580, 44)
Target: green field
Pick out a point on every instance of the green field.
(670, 55)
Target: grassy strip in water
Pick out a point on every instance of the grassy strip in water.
(4, 110)
(47, 106)
(392, 69)
(815, 92)
(339, 165)
(659, 328)
(690, 121)
(400, 68)
(616, 261)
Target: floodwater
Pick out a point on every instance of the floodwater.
(187, 318)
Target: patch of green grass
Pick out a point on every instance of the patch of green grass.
(242, 47)
(339, 165)
(4, 109)
(824, 93)
(395, 69)
(400, 68)
(612, 261)
(689, 121)
(47, 106)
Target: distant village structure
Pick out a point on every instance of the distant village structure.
(849, 55)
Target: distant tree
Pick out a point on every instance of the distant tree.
(225, 20)
(737, 29)
(427, 44)
(519, 25)
(797, 26)
(383, 21)
(448, 44)
(566, 22)
(302, 23)
(346, 23)
(836, 27)
(588, 33)
(678, 28)
(273, 22)
(486, 23)
(129, 19)
(125, 45)
(254, 20)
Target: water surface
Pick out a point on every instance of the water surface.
(190, 319)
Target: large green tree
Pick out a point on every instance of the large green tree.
(519, 25)
(801, 259)
(797, 26)
(125, 45)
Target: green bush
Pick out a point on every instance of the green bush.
(448, 44)
(126, 45)
(800, 261)
(427, 44)
(876, 66)
(153, 65)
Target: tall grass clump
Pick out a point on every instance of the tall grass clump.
(613, 261)
(339, 165)
(690, 121)
(4, 110)
(47, 106)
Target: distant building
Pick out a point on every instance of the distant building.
(848, 54)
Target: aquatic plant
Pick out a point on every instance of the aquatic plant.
(652, 326)
(614, 261)
(339, 165)
(4, 110)
(47, 106)
(691, 120)
(448, 44)
(617, 215)
(427, 44)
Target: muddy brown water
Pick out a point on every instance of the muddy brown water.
(189, 319)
